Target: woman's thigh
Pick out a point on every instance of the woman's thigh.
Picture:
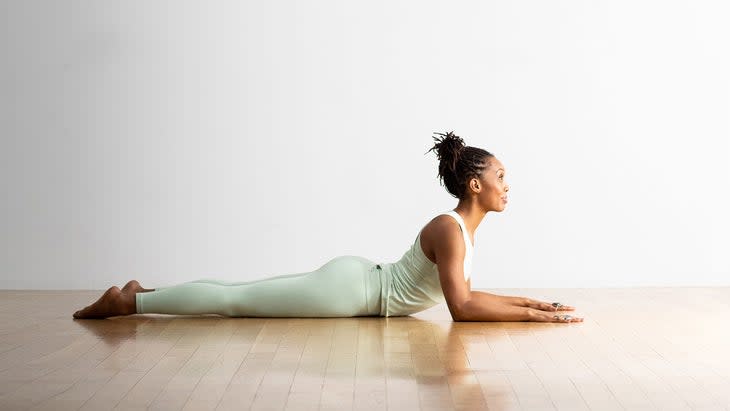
(339, 288)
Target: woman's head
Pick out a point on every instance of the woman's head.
(470, 172)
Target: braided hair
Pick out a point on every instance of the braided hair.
(458, 163)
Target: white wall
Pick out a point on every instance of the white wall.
(169, 141)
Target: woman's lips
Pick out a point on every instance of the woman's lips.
(504, 199)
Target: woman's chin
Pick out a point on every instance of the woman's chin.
(498, 207)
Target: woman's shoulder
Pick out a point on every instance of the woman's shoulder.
(442, 223)
(440, 230)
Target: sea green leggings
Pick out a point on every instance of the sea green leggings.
(345, 286)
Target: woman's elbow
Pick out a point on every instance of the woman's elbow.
(459, 318)
(460, 312)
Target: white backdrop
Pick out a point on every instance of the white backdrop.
(170, 141)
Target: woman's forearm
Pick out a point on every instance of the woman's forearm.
(489, 307)
(518, 301)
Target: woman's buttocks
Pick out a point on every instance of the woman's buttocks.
(355, 281)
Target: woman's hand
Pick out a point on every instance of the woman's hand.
(550, 307)
(546, 317)
(548, 312)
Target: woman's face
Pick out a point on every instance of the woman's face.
(493, 194)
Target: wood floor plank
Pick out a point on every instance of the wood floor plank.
(497, 390)
(661, 348)
(562, 392)
(338, 390)
(212, 386)
(370, 377)
(306, 388)
(123, 341)
(276, 385)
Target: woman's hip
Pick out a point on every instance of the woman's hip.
(356, 275)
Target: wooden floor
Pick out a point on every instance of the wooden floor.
(638, 348)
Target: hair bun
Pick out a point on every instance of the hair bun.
(458, 162)
(448, 148)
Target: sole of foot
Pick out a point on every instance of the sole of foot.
(112, 303)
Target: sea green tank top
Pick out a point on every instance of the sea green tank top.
(412, 283)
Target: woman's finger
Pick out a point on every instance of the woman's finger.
(560, 307)
(542, 316)
(551, 307)
(566, 318)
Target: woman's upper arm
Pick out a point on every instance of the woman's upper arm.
(449, 252)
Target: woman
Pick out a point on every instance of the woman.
(435, 268)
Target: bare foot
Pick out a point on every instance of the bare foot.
(114, 302)
(134, 287)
